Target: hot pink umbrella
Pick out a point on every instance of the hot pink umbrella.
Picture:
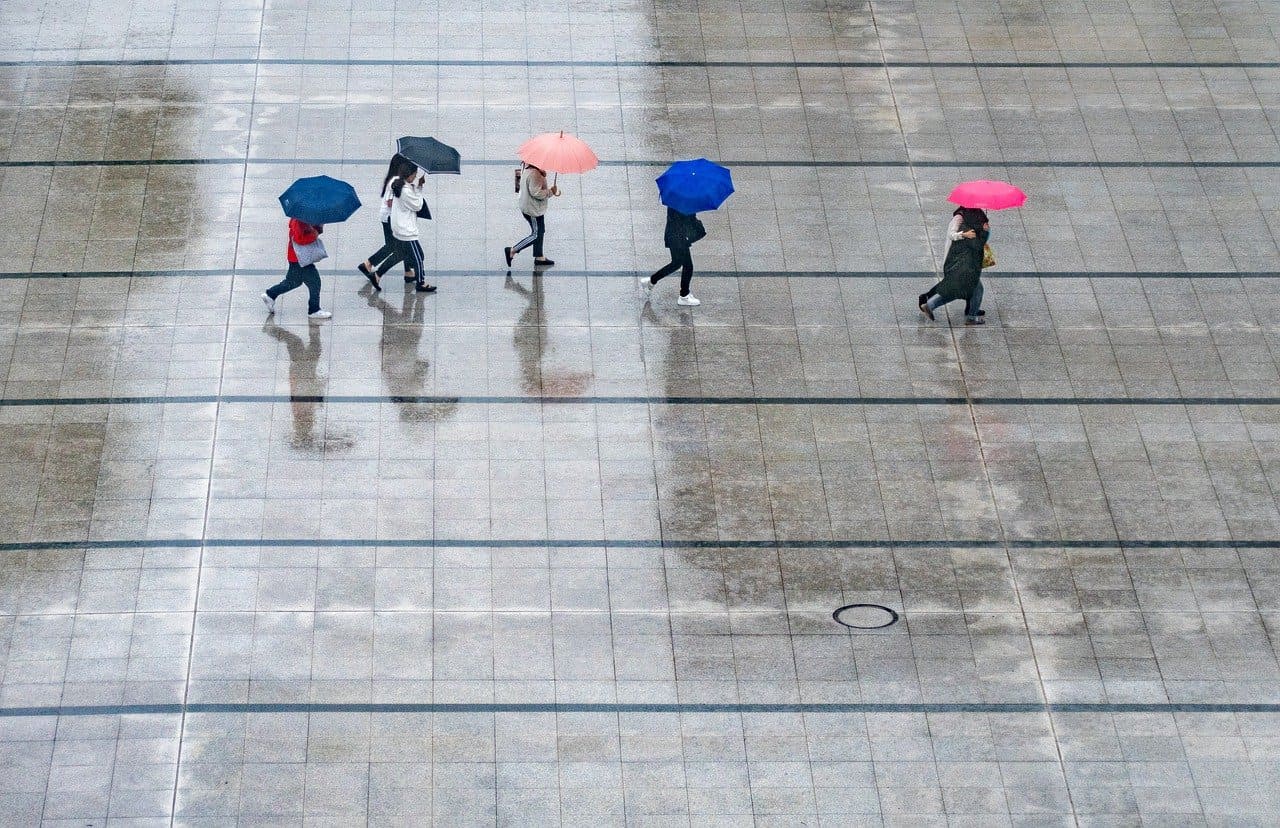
(557, 152)
(987, 195)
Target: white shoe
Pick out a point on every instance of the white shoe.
(645, 287)
(269, 302)
(689, 301)
(320, 314)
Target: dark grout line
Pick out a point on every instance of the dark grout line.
(634, 543)
(631, 274)
(656, 64)
(501, 399)
(777, 164)
(639, 707)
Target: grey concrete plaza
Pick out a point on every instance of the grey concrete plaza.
(532, 551)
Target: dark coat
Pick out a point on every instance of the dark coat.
(963, 267)
(682, 230)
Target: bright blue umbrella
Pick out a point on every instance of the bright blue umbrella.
(695, 186)
(319, 200)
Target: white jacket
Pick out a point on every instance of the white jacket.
(404, 212)
(384, 206)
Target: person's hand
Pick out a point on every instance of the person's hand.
(555, 190)
(969, 234)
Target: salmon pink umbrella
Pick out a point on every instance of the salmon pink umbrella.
(558, 152)
(987, 195)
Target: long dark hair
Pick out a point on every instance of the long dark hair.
(972, 218)
(401, 167)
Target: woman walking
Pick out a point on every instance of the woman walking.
(682, 231)
(534, 195)
(407, 200)
(374, 267)
(962, 269)
(304, 238)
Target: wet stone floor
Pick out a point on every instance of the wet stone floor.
(530, 551)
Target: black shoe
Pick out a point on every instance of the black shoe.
(370, 275)
(543, 263)
(423, 287)
(506, 251)
(924, 308)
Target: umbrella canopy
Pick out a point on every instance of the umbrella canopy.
(558, 153)
(430, 155)
(695, 186)
(319, 200)
(987, 195)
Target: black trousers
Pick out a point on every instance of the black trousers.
(297, 276)
(393, 250)
(537, 229)
(681, 260)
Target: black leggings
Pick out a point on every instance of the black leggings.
(392, 251)
(682, 260)
(537, 229)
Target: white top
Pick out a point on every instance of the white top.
(534, 192)
(953, 235)
(404, 211)
(384, 207)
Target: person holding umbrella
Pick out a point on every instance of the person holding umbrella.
(550, 152)
(310, 203)
(968, 224)
(428, 155)
(534, 195)
(687, 188)
(376, 266)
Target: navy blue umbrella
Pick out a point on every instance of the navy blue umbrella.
(430, 155)
(319, 200)
(695, 186)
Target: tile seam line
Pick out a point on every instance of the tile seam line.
(653, 163)
(626, 399)
(631, 274)
(640, 707)
(640, 543)
(480, 63)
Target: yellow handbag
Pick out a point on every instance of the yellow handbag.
(988, 257)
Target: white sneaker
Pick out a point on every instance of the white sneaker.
(645, 286)
(689, 301)
(320, 314)
(269, 302)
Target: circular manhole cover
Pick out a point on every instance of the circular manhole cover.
(865, 616)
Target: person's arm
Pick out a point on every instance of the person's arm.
(411, 195)
(538, 189)
(953, 229)
(302, 233)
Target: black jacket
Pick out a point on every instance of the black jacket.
(682, 230)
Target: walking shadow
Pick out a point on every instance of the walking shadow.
(404, 371)
(306, 388)
(530, 338)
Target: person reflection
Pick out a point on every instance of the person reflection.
(304, 381)
(405, 372)
(530, 336)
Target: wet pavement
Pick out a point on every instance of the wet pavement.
(528, 551)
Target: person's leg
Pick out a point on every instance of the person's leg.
(527, 240)
(686, 271)
(419, 266)
(973, 305)
(539, 227)
(935, 301)
(311, 277)
(290, 281)
(667, 270)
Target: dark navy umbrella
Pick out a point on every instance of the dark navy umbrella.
(695, 186)
(319, 200)
(430, 155)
